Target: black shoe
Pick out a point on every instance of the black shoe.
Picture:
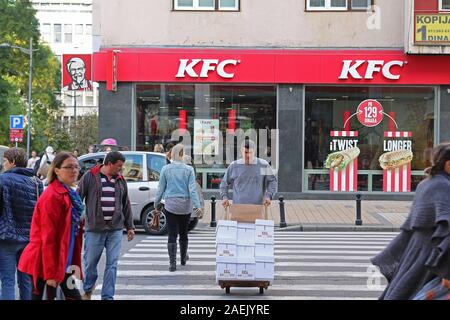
(172, 249)
(183, 252)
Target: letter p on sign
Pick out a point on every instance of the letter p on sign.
(16, 122)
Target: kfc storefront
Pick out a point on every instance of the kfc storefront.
(331, 123)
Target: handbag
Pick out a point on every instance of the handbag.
(154, 225)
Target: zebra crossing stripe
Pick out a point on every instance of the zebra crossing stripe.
(277, 243)
(164, 263)
(213, 286)
(284, 244)
(189, 296)
(213, 256)
(292, 251)
(131, 257)
(212, 249)
(210, 273)
(358, 234)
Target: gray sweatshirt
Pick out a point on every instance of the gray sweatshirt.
(251, 183)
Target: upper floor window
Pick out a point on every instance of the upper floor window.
(444, 5)
(209, 5)
(57, 33)
(337, 5)
(360, 4)
(46, 32)
(89, 29)
(79, 29)
(68, 33)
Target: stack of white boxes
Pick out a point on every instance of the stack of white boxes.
(226, 251)
(264, 249)
(245, 251)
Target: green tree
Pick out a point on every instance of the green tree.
(86, 132)
(17, 24)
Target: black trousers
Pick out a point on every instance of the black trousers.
(69, 294)
(177, 224)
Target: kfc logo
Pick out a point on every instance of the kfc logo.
(373, 66)
(187, 67)
(77, 72)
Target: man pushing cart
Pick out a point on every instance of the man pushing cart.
(244, 240)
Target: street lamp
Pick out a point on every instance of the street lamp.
(30, 80)
(74, 95)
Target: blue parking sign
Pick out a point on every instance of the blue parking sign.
(16, 122)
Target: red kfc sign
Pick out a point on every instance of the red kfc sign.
(77, 72)
(351, 68)
(186, 67)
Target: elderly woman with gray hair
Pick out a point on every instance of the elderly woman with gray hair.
(177, 187)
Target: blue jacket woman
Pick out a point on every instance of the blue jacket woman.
(177, 186)
(19, 191)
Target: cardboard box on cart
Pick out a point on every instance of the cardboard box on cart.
(246, 213)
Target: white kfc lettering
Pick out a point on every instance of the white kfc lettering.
(373, 66)
(208, 65)
(387, 69)
(185, 67)
(348, 68)
(221, 68)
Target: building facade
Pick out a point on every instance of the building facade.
(66, 26)
(311, 77)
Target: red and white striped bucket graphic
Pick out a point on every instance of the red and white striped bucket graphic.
(343, 133)
(398, 179)
(346, 179)
(398, 134)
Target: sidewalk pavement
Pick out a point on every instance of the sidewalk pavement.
(330, 215)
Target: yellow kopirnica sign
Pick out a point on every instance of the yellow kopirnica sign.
(432, 28)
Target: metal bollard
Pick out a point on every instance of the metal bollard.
(358, 221)
(213, 212)
(282, 213)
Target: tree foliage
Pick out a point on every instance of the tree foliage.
(17, 24)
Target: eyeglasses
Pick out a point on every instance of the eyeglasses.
(71, 168)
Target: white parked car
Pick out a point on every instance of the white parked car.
(141, 171)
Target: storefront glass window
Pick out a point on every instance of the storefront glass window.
(412, 109)
(163, 108)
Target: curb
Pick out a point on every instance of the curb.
(338, 228)
(327, 228)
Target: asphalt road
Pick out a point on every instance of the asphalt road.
(308, 266)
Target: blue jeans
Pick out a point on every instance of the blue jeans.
(94, 243)
(10, 252)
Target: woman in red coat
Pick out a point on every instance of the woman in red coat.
(53, 255)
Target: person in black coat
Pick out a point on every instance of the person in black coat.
(19, 190)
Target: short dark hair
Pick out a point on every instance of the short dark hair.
(16, 156)
(113, 157)
(248, 144)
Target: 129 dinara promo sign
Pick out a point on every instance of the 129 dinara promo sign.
(370, 113)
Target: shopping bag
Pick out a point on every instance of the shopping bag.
(154, 225)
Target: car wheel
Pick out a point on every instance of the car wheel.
(192, 224)
(146, 219)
